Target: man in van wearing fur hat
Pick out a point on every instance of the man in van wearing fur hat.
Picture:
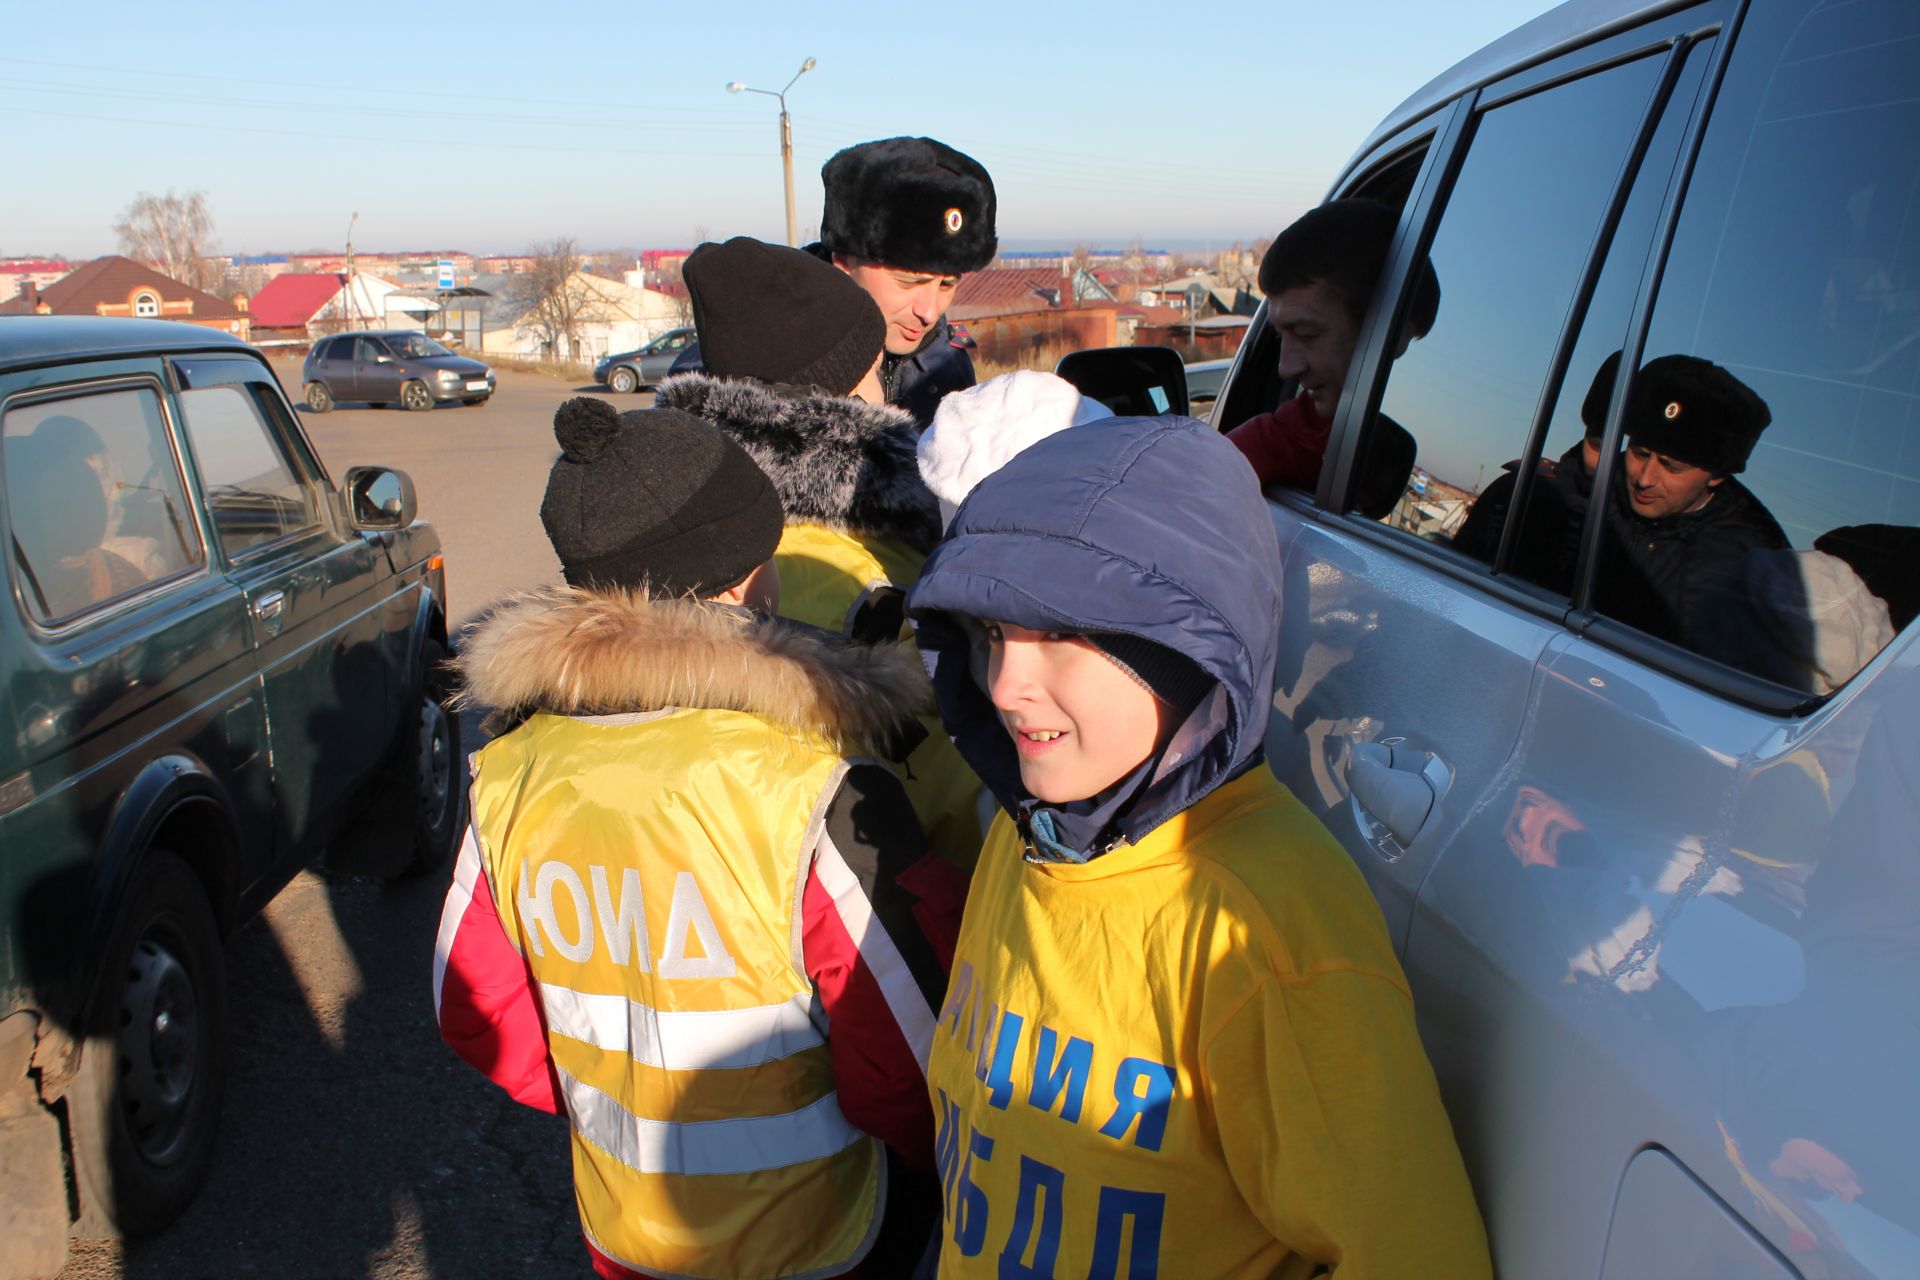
(1679, 520)
(906, 218)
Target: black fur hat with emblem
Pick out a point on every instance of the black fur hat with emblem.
(912, 203)
(1686, 408)
(655, 499)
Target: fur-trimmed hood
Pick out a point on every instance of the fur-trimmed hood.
(843, 463)
(578, 652)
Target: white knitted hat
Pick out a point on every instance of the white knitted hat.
(977, 431)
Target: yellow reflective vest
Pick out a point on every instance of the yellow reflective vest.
(825, 576)
(707, 1137)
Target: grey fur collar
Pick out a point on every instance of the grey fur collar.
(843, 463)
(577, 652)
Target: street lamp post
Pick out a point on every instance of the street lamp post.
(786, 137)
(353, 310)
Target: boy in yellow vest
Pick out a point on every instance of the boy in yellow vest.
(1177, 1041)
(689, 912)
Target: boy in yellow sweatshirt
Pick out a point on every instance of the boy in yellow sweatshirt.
(1177, 1042)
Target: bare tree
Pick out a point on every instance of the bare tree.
(561, 300)
(173, 233)
(1081, 259)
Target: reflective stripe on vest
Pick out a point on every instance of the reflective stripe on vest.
(742, 1145)
(682, 1041)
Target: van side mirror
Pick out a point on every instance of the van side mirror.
(1134, 382)
(379, 498)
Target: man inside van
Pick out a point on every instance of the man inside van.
(1319, 276)
(1679, 521)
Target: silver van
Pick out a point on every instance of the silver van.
(1657, 887)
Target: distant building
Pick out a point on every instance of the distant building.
(17, 273)
(404, 262)
(252, 271)
(1005, 291)
(1026, 317)
(300, 305)
(117, 286)
(610, 316)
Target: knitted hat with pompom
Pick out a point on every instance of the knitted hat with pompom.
(655, 498)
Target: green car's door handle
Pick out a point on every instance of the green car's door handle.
(271, 610)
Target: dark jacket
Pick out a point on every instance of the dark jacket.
(1183, 554)
(1548, 541)
(1662, 575)
(916, 382)
(913, 382)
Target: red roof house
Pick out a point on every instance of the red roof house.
(291, 299)
(117, 286)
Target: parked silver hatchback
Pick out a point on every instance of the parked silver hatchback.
(1651, 857)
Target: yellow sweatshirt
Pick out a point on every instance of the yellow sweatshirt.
(1191, 1058)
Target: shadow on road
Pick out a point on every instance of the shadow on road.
(354, 1143)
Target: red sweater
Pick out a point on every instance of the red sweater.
(1285, 446)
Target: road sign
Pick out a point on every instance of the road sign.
(446, 274)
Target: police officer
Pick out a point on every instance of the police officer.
(906, 218)
(1679, 522)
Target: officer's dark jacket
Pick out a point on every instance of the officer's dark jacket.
(1547, 543)
(1662, 575)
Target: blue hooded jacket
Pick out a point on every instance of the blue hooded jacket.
(1151, 527)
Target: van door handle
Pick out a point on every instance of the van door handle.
(271, 609)
(1397, 785)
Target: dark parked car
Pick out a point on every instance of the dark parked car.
(631, 370)
(395, 367)
(210, 653)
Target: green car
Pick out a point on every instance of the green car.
(210, 655)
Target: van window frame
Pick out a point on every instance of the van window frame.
(1451, 130)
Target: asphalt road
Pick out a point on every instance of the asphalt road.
(354, 1143)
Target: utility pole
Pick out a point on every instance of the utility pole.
(353, 306)
(786, 139)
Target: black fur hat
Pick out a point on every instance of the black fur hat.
(1686, 408)
(912, 203)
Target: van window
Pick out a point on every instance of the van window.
(1257, 387)
(1513, 238)
(96, 504)
(1770, 512)
(1546, 541)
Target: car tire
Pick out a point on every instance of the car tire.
(319, 399)
(414, 396)
(623, 380)
(146, 1105)
(433, 754)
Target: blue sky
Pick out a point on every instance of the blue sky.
(486, 127)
